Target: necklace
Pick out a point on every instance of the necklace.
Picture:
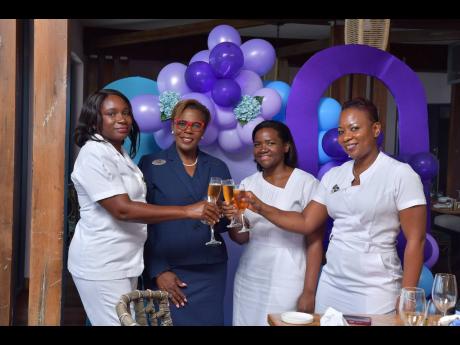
(191, 165)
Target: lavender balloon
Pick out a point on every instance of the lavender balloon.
(226, 92)
(203, 99)
(226, 60)
(245, 132)
(171, 78)
(259, 55)
(210, 135)
(225, 118)
(326, 167)
(202, 55)
(146, 112)
(223, 33)
(164, 138)
(249, 82)
(229, 140)
(331, 146)
(199, 76)
(271, 102)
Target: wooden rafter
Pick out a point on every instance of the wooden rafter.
(169, 32)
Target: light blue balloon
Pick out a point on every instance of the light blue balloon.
(134, 86)
(266, 82)
(283, 89)
(147, 146)
(328, 113)
(322, 156)
(426, 281)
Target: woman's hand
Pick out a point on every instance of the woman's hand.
(254, 203)
(306, 302)
(229, 210)
(170, 282)
(203, 210)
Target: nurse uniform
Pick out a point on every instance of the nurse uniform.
(363, 272)
(271, 271)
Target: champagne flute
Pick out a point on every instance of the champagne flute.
(239, 193)
(444, 291)
(214, 188)
(227, 188)
(412, 306)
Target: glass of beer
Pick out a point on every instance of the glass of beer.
(214, 188)
(227, 188)
(238, 194)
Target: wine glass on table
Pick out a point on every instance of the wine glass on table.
(239, 193)
(214, 188)
(412, 306)
(444, 291)
(227, 188)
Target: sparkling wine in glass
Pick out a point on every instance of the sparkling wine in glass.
(239, 194)
(214, 188)
(444, 291)
(412, 306)
(227, 188)
(433, 314)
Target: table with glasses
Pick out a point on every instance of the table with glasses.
(377, 320)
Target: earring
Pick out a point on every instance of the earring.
(172, 132)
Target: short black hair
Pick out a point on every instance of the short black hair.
(290, 157)
(90, 120)
(365, 105)
(180, 107)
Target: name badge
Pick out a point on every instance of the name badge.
(159, 162)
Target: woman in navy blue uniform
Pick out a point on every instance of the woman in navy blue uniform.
(176, 257)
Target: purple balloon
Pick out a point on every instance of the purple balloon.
(210, 135)
(331, 146)
(172, 78)
(326, 167)
(199, 76)
(259, 55)
(225, 118)
(226, 60)
(271, 102)
(223, 33)
(226, 92)
(203, 99)
(202, 55)
(146, 112)
(425, 164)
(229, 140)
(245, 132)
(431, 252)
(249, 82)
(164, 138)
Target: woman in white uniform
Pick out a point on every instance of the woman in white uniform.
(369, 198)
(106, 252)
(278, 270)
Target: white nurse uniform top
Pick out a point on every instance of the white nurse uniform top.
(104, 248)
(363, 272)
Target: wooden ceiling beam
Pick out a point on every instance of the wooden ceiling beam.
(303, 48)
(169, 32)
(421, 36)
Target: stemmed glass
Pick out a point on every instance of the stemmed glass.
(433, 314)
(214, 188)
(239, 193)
(412, 306)
(228, 187)
(444, 291)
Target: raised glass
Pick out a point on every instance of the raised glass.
(214, 188)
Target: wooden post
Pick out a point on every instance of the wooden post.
(8, 60)
(453, 154)
(51, 70)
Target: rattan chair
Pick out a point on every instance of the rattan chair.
(151, 308)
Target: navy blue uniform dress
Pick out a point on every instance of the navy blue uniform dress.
(179, 245)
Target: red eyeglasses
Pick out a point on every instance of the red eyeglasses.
(195, 126)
